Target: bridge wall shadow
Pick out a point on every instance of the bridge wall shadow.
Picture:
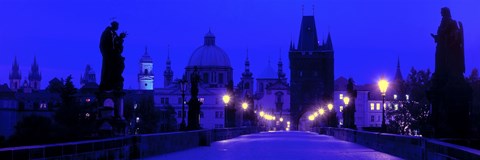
(127, 147)
(407, 147)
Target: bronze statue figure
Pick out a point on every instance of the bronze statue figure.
(111, 47)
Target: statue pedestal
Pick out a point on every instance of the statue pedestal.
(194, 114)
(450, 107)
(111, 120)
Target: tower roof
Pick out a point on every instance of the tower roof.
(308, 39)
(146, 57)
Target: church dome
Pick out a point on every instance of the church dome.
(209, 54)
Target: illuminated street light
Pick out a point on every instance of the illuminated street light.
(330, 107)
(244, 105)
(281, 119)
(383, 85)
(346, 100)
(262, 113)
(321, 111)
(311, 118)
(226, 99)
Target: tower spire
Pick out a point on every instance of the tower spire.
(247, 72)
(35, 77)
(15, 76)
(281, 74)
(168, 73)
(398, 73)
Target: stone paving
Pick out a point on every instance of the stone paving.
(291, 145)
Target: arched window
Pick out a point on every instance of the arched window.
(146, 71)
(247, 85)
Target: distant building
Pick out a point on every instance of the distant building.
(272, 97)
(311, 71)
(213, 65)
(369, 100)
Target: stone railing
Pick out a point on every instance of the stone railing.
(407, 147)
(128, 147)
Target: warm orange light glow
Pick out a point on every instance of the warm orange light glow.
(311, 118)
(346, 100)
(262, 113)
(321, 111)
(330, 107)
(281, 119)
(244, 106)
(383, 85)
(226, 99)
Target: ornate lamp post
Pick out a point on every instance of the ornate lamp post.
(346, 113)
(183, 87)
(383, 85)
(226, 99)
(245, 107)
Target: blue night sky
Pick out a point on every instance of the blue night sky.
(368, 35)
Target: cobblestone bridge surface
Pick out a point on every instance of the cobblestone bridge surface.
(280, 145)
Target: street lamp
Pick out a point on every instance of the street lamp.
(244, 106)
(346, 100)
(330, 107)
(383, 85)
(226, 99)
(183, 87)
(321, 111)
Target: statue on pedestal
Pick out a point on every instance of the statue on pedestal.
(194, 103)
(110, 94)
(449, 94)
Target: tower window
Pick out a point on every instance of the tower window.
(145, 71)
(247, 85)
(146, 84)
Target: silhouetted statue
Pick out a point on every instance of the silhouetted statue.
(194, 103)
(449, 94)
(449, 56)
(194, 80)
(111, 46)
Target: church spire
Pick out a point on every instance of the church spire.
(398, 73)
(247, 72)
(15, 76)
(168, 73)
(35, 76)
(281, 74)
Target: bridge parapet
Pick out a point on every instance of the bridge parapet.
(408, 147)
(127, 147)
